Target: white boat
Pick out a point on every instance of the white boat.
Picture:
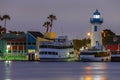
(61, 49)
(95, 55)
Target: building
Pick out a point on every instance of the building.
(96, 21)
(13, 44)
(114, 44)
(34, 38)
(31, 40)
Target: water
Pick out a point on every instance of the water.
(59, 70)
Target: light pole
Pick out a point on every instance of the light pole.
(89, 37)
(89, 34)
(8, 47)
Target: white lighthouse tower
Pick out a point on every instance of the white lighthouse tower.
(96, 39)
(96, 52)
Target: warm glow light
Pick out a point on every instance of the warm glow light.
(88, 68)
(8, 46)
(88, 34)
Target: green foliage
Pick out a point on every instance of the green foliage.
(14, 58)
(106, 36)
(80, 43)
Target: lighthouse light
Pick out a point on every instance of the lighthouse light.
(96, 16)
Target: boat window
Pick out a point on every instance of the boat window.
(45, 52)
(53, 53)
(56, 53)
(49, 53)
(71, 52)
(87, 53)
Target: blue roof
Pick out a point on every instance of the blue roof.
(96, 12)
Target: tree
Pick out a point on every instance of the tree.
(80, 43)
(106, 36)
(1, 18)
(6, 17)
(2, 30)
(47, 25)
(51, 17)
(107, 32)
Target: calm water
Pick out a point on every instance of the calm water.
(60, 71)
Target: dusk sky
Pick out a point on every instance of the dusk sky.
(72, 15)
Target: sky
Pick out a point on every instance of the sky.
(73, 16)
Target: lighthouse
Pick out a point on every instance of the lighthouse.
(96, 52)
(96, 38)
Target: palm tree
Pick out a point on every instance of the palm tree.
(6, 17)
(47, 25)
(51, 17)
(2, 30)
(1, 18)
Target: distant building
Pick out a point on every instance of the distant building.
(31, 40)
(19, 43)
(13, 44)
(114, 44)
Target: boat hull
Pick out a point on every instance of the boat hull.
(57, 59)
(115, 57)
(90, 56)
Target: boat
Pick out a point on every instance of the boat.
(115, 56)
(60, 49)
(95, 55)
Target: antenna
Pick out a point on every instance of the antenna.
(62, 30)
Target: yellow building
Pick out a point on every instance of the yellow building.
(48, 37)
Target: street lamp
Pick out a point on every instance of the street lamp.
(88, 34)
(89, 38)
(8, 46)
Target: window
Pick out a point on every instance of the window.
(95, 28)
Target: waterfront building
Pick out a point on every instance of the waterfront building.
(34, 38)
(114, 46)
(31, 40)
(13, 44)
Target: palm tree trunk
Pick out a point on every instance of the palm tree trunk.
(5, 23)
(51, 25)
(47, 29)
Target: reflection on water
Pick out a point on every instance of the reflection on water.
(95, 71)
(59, 71)
(7, 71)
(91, 77)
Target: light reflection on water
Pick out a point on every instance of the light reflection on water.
(95, 71)
(7, 71)
(59, 71)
